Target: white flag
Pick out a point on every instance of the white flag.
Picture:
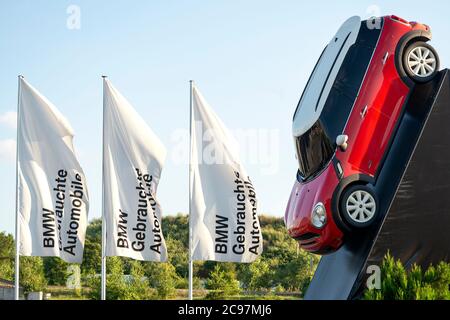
(53, 198)
(133, 159)
(224, 207)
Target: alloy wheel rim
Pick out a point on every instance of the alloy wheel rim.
(361, 206)
(422, 62)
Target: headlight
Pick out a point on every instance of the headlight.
(319, 216)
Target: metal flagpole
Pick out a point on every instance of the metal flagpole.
(191, 127)
(17, 257)
(103, 274)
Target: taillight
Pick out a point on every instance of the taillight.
(398, 19)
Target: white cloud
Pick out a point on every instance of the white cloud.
(8, 150)
(9, 119)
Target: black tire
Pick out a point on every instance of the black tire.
(407, 59)
(346, 207)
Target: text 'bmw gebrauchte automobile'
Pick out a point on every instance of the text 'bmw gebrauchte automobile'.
(345, 122)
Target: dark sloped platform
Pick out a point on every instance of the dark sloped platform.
(414, 200)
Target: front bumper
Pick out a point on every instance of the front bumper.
(317, 242)
(303, 199)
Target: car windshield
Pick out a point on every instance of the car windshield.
(314, 150)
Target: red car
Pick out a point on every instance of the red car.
(345, 122)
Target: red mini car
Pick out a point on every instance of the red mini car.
(345, 122)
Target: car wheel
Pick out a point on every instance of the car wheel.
(421, 62)
(359, 206)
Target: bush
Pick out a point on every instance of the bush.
(297, 274)
(137, 288)
(178, 256)
(257, 275)
(163, 278)
(119, 286)
(55, 271)
(7, 254)
(223, 284)
(32, 277)
(398, 284)
(183, 283)
(92, 255)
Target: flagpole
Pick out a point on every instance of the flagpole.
(103, 272)
(17, 257)
(191, 127)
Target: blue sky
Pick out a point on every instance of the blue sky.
(251, 60)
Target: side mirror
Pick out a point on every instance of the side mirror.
(342, 142)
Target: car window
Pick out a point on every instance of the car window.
(353, 69)
(348, 82)
(335, 113)
(314, 151)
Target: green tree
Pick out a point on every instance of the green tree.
(176, 228)
(32, 276)
(94, 230)
(178, 256)
(399, 284)
(162, 277)
(92, 258)
(296, 274)
(92, 249)
(257, 275)
(7, 254)
(439, 278)
(292, 267)
(115, 282)
(204, 269)
(118, 285)
(223, 284)
(137, 287)
(55, 270)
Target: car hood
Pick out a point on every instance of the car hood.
(305, 196)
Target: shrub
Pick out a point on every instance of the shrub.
(257, 275)
(223, 284)
(119, 286)
(399, 284)
(55, 270)
(163, 278)
(32, 277)
(7, 254)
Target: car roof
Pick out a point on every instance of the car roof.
(322, 79)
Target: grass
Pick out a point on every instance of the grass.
(63, 293)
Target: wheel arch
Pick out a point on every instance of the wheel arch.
(405, 41)
(344, 184)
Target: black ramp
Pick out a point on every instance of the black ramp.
(341, 275)
(417, 229)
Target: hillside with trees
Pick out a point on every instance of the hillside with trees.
(283, 271)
